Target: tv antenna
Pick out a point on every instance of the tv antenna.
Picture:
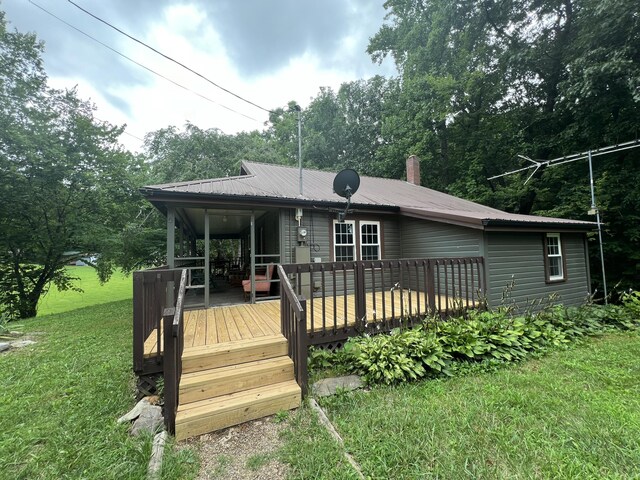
(346, 184)
(537, 164)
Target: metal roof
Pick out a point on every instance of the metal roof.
(265, 182)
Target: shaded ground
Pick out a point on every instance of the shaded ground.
(247, 451)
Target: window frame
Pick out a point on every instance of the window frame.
(361, 223)
(354, 245)
(547, 259)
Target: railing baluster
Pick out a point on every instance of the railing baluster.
(418, 312)
(383, 287)
(344, 288)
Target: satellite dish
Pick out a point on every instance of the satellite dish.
(346, 183)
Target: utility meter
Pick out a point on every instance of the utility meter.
(302, 234)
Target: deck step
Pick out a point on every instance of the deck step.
(221, 412)
(232, 353)
(219, 381)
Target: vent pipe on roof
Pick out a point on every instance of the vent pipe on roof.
(413, 170)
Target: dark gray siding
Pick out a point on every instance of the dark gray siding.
(319, 225)
(520, 257)
(425, 239)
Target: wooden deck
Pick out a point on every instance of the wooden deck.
(246, 321)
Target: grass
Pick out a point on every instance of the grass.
(62, 396)
(310, 451)
(572, 414)
(119, 287)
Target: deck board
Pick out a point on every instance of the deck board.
(245, 321)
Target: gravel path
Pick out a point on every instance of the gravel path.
(243, 452)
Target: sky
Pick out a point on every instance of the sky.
(269, 52)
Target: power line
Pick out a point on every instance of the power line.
(140, 64)
(169, 58)
(17, 97)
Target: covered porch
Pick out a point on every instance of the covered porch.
(229, 253)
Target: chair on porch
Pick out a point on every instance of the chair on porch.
(263, 283)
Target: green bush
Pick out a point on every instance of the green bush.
(486, 339)
(396, 357)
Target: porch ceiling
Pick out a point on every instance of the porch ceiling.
(222, 222)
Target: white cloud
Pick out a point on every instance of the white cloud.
(184, 33)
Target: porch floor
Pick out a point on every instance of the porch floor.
(245, 321)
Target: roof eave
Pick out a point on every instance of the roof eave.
(537, 226)
(157, 197)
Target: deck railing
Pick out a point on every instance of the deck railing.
(293, 326)
(153, 291)
(173, 326)
(383, 294)
(324, 303)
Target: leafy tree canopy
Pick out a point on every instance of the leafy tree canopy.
(65, 183)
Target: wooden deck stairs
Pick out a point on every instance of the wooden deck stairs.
(229, 383)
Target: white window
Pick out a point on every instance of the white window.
(344, 241)
(369, 240)
(554, 263)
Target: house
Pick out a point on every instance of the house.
(403, 251)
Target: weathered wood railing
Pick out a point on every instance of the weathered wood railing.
(151, 291)
(173, 326)
(293, 325)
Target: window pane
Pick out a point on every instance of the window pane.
(344, 253)
(369, 241)
(370, 252)
(555, 267)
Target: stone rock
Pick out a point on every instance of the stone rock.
(22, 343)
(150, 420)
(4, 346)
(329, 386)
(135, 411)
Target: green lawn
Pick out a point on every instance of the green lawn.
(572, 414)
(119, 287)
(62, 396)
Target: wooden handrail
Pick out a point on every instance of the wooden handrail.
(173, 319)
(151, 289)
(293, 320)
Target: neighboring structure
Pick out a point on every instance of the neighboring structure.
(388, 219)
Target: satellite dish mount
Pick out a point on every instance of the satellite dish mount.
(346, 184)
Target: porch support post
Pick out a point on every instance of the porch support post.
(171, 250)
(207, 266)
(253, 257)
(171, 236)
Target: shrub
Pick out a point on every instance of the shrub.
(483, 338)
(396, 357)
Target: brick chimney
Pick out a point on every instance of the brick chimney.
(413, 170)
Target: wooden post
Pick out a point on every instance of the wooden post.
(138, 321)
(207, 263)
(360, 299)
(302, 350)
(170, 373)
(171, 249)
(431, 291)
(253, 257)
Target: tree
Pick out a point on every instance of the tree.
(65, 183)
(482, 82)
